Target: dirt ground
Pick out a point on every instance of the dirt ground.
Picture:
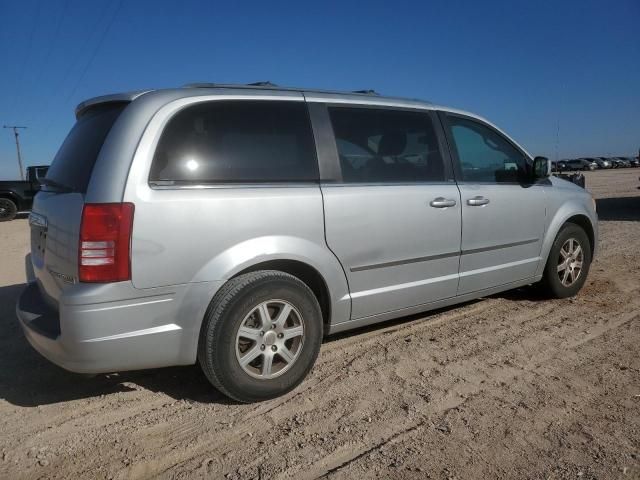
(511, 386)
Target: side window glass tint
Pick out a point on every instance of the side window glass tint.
(237, 141)
(386, 146)
(484, 154)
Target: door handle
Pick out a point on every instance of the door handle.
(442, 202)
(477, 201)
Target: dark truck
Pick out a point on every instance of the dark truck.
(17, 195)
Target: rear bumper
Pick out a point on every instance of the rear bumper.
(150, 330)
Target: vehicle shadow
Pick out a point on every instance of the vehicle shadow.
(396, 322)
(27, 379)
(620, 209)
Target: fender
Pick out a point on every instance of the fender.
(276, 247)
(568, 209)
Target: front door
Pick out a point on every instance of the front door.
(503, 214)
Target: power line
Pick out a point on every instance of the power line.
(53, 42)
(91, 32)
(44, 63)
(17, 135)
(74, 62)
(95, 51)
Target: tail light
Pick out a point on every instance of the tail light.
(105, 242)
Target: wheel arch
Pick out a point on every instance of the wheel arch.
(309, 275)
(310, 261)
(9, 195)
(583, 222)
(569, 213)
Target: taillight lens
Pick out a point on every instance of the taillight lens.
(105, 242)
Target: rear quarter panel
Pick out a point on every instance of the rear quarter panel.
(211, 233)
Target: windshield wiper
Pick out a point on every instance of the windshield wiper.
(57, 185)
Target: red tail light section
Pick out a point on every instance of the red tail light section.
(105, 242)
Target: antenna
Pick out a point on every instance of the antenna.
(16, 134)
(557, 139)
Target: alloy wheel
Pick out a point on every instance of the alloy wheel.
(270, 339)
(570, 262)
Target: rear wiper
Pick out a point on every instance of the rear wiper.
(57, 185)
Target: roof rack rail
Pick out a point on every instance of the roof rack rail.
(272, 86)
(266, 84)
(262, 84)
(200, 85)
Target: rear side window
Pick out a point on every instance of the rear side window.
(386, 146)
(237, 141)
(73, 164)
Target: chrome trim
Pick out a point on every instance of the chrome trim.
(209, 186)
(136, 333)
(442, 202)
(477, 201)
(324, 184)
(404, 262)
(442, 255)
(62, 276)
(498, 247)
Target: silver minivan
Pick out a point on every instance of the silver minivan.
(235, 226)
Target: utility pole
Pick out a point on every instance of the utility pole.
(16, 134)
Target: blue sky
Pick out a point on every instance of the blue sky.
(530, 67)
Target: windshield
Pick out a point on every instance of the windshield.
(74, 161)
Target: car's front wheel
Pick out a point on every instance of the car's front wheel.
(8, 210)
(568, 262)
(261, 335)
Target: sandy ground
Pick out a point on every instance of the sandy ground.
(511, 386)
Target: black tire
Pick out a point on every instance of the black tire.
(551, 282)
(227, 311)
(8, 210)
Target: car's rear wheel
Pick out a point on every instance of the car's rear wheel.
(568, 262)
(261, 335)
(8, 210)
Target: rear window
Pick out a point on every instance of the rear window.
(237, 141)
(74, 162)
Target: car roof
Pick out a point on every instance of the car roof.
(367, 96)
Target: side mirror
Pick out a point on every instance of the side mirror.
(541, 167)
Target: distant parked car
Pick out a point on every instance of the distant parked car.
(559, 166)
(601, 162)
(581, 164)
(620, 163)
(629, 161)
